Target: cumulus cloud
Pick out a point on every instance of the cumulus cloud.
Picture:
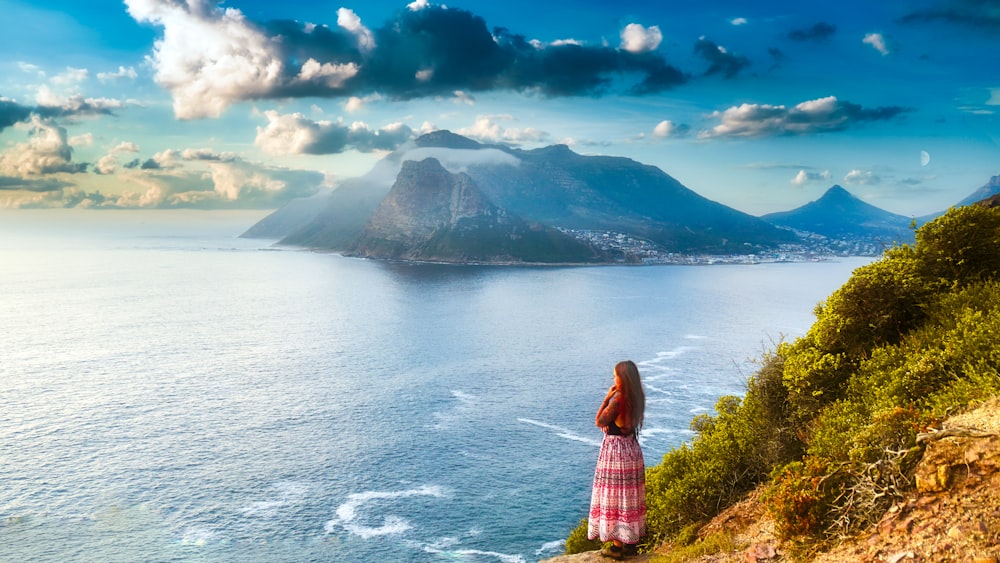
(75, 104)
(108, 163)
(294, 133)
(50, 105)
(861, 177)
(234, 184)
(211, 57)
(47, 151)
(122, 72)
(720, 61)
(70, 76)
(877, 41)
(639, 39)
(488, 128)
(818, 32)
(804, 177)
(738, 21)
(347, 19)
(667, 128)
(814, 116)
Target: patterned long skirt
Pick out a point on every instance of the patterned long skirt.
(618, 499)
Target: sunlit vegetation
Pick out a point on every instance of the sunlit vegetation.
(829, 422)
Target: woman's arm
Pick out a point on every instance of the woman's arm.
(608, 410)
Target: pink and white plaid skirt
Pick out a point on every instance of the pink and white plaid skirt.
(618, 500)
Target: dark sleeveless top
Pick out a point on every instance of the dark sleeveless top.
(613, 430)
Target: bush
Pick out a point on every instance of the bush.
(832, 417)
(960, 247)
(577, 541)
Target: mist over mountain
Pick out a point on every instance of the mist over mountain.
(431, 214)
(548, 190)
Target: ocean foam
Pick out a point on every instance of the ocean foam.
(562, 432)
(547, 547)
(391, 525)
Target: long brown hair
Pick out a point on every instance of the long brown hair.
(631, 387)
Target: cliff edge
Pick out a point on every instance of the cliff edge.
(952, 514)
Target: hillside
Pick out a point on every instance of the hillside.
(846, 440)
(431, 214)
(553, 189)
(956, 518)
(840, 215)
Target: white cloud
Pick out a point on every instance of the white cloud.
(356, 104)
(639, 39)
(487, 128)
(861, 177)
(296, 134)
(122, 72)
(667, 128)
(738, 21)
(82, 140)
(76, 103)
(70, 77)
(126, 146)
(803, 177)
(347, 19)
(208, 57)
(462, 97)
(417, 5)
(877, 41)
(425, 74)
(812, 116)
(108, 163)
(46, 151)
(30, 69)
(332, 75)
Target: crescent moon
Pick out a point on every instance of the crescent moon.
(925, 158)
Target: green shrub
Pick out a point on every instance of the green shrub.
(960, 247)
(577, 541)
(832, 417)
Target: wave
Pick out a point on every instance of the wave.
(463, 553)
(547, 547)
(466, 401)
(562, 432)
(347, 512)
(283, 493)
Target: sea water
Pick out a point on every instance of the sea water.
(171, 392)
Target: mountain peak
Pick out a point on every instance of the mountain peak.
(840, 214)
(443, 138)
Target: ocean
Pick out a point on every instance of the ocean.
(171, 392)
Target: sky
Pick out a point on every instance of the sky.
(245, 104)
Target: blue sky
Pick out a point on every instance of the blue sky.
(245, 104)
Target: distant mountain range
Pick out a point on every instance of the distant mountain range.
(447, 198)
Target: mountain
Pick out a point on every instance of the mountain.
(840, 215)
(991, 188)
(290, 217)
(558, 187)
(431, 214)
(552, 190)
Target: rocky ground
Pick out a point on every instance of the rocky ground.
(953, 516)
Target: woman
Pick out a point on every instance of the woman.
(618, 499)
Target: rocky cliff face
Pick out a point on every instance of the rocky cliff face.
(431, 214)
